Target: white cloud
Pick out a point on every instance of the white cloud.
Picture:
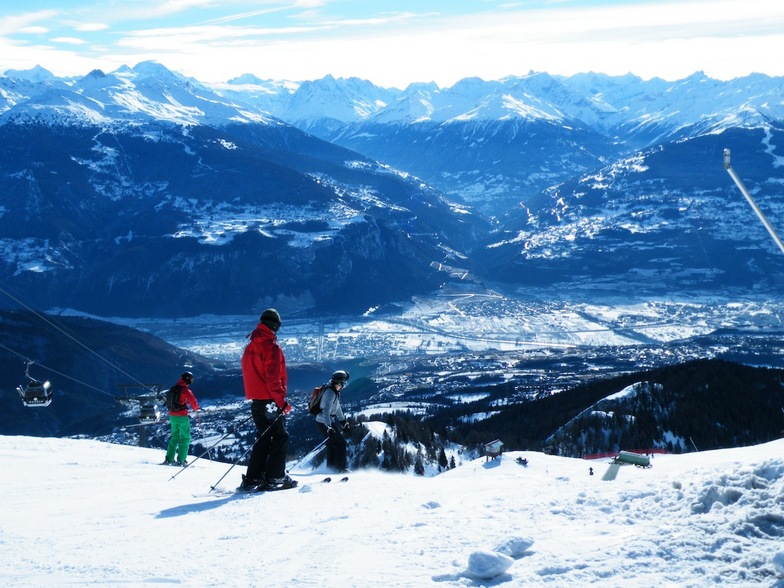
(89, 27)
(25, 21)
(34, 30)
(69, 40)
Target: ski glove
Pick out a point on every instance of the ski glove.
(274, 411)
(346, 427)
(330, 431)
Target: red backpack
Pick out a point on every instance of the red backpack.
(314, 403)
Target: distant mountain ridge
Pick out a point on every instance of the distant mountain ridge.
(610, 184)
(337, 195)
(543, 128)
(140, 193)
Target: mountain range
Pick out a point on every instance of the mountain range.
(141, 192)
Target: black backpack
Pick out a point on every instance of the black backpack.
(173, 399)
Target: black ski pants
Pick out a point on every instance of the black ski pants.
(272, 443)
(336, 448)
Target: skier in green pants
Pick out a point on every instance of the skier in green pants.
(178, 399)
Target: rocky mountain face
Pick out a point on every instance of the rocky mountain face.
(665, 220)
(137, 193)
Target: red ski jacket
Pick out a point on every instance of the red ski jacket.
(264, 367)
(185, 396)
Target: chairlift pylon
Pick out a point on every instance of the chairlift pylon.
(35, 393)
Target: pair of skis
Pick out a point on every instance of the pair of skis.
(263, 489)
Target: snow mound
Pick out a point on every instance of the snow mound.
(778, 562)
(515, 547)
(486, 565)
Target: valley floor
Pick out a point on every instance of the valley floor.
(477, 321)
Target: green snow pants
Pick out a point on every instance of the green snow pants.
(180, 440)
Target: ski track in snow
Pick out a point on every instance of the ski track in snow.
(81, 512)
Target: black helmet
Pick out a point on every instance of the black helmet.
(270, 318)
(187, 377)
(339, 377)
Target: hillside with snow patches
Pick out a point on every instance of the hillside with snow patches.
(496, 142)
(118, 185)
(89, 513)
(259, 193)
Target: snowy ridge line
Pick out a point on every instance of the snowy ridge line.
(596, 100)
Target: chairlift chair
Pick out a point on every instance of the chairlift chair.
(149, 413)
(36, 393)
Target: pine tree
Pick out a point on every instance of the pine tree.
(419, 466)
(442, 461)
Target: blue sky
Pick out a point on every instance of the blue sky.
(396, 42)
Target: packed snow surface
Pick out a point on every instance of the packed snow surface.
(82, 512)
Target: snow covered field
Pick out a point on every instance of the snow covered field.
(81, 512)
(472, 322)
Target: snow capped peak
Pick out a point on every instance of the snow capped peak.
(341, 99)
(246, 79)
(153, 69)
(149, 91)
(36, 74)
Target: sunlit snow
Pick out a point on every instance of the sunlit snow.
(82, 512)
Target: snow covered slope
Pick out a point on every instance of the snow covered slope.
(100, 514)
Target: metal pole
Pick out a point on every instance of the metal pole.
(310, 455)
(201, 431)
(205, 452)
(246, 452)
(750, 200)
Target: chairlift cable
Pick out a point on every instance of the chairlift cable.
(54, 371)
(74, 339)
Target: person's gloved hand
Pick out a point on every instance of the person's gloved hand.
(330, 431)
(346, 427)
(286, 408)
(272, 411)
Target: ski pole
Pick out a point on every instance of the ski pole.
(231, 431)
(258, 438)
(310, 455)
(201, 432)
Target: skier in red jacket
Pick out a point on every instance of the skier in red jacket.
(180, 440)
(265, 380)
